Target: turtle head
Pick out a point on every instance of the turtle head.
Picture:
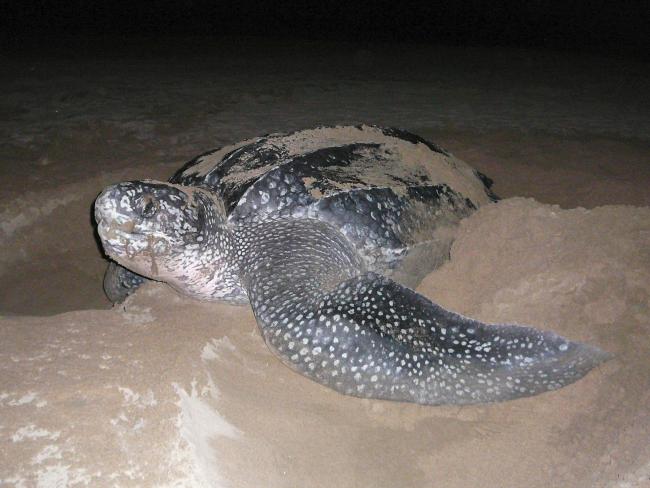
(170, 233)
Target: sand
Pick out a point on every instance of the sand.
(165, 391)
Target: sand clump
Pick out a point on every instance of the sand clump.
(166, 391)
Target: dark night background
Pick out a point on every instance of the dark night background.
(599, 25)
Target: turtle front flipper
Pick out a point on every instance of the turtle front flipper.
(119, 282)
(365, 335)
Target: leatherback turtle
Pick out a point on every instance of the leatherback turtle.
(325, 231)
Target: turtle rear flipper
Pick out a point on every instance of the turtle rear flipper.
(119, 282)
(365, 335)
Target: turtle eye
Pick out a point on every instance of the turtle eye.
(191, 238)
(147, 206)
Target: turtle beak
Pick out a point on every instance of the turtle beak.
(115, 216)
(104, 203)
(114, 205)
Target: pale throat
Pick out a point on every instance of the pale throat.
(207, 268)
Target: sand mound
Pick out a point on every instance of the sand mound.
(164, 391)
